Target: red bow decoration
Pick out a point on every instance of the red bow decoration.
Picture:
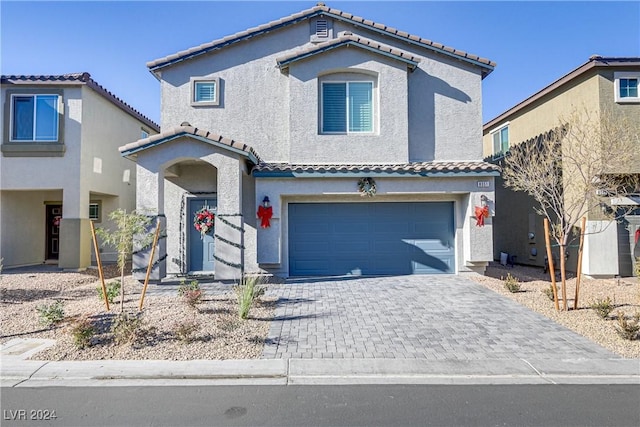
(481, 214)
(265, 215)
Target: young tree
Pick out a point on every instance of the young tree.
(570, 169)
(127, 227)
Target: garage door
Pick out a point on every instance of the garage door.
(327, 239)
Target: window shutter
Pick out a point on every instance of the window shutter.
(334, 108)
(360, 107)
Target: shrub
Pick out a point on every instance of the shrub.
(52, 313)
(191, 294)
(185, 329)
(512, 284)
(637, 268)
(128, 328)
(602, 307)
(549, 292)
(248, 291)
(113, 290)
(628, 329)
(82, 331)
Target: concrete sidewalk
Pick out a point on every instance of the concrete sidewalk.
(17, 372)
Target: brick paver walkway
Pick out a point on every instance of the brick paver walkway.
(425, 317)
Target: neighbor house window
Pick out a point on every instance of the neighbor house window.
(347, 107)
(144, 134)
(94, 211)
(34, 118)
(626, 86)
(205, 91)
(500, 141)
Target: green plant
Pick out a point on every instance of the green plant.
(549, 292)
(52, 313)
(190, 293)
(637, 268)
(113, 290)
(82, 331)
(512, 283)
(603, 307)
(128, 226)
(628, 329)
(248, 291)
(185, 329)
(128, 328)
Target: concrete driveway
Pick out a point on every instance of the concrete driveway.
(439, 317)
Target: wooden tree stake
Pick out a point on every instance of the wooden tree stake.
(563, 276)
(583, 225)
(550, 258)
(95, 247)
(150, 266)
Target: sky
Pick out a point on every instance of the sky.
(533, 43)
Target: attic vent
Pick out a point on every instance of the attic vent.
(322, 28)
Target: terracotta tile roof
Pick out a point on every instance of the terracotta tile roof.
(594, 62)
(322, 10)
(75, 79)
(348, 39)
(402, 169)
(189, 131)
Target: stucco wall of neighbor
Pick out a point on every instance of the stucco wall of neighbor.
(388, 142)
(30, 173)
(473, 244)
(22, 226)
(600, 258)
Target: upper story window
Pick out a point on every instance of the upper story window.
(626, 86)
(34, 118)
(347, 107)
(205, 91)
(144, 134)
(500, 139)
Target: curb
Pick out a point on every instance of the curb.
(16, 372)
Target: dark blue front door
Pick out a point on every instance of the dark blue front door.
(201, 248)
(328, 239)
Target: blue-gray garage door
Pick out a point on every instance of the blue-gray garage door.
(327, 239)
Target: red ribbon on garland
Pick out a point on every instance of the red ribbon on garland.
(481, 214)
(265, 214)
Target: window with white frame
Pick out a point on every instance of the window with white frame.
(94, 211)
(144, 134)
(205, 91)
(34, 118)
(347, 107)
(500, 139)
(626, 86)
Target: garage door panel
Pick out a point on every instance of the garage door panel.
(371, 238)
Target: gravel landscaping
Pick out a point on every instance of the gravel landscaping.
(220, 334)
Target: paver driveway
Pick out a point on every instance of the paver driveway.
(425, 317)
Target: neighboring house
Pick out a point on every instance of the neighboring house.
(302, 111)
(60, 166)
(600, 83)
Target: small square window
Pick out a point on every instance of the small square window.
(205, 92)
(144, 134)
(626, 87)
(94, 212)
(347, 107)
(34, 118)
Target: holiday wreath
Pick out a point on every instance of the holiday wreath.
(367, 187)
(203, 220)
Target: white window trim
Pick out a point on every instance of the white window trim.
(493, 132)
(99, 217)
(625, 75)
(374, 100)
(37, 141)
(192, 91)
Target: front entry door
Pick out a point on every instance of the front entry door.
(54, 215)
(201, 248)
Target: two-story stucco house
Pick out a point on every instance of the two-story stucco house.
(60, 166)
(600, 84)
(366, 140)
